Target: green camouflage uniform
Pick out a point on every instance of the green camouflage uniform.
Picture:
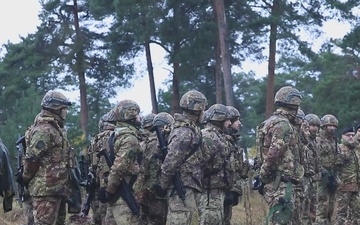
(184, 137)
(310, 169)
(330, 161)
(100, 142)
(154, 206)
(127, 153)
(280, 170)
(47, 165)
(218, 174)
(241, 169)
(348, 197)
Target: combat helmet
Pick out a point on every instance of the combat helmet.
(234, 113)
(287, 96)
(217, 112)
(54, 100)
(126, 110)
(193, 101)
(162, 119)
(329, 119)
(147, 120)
(300, 116)
(313, 119)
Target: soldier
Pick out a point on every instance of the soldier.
(232, 197)
(182, 163)
(279, 171)
(329, 165)
(154, 153)
(99, 166)
(348, 201)
(7, 185)
(218, 171)
(48, 161)
(146, 125)
(311, 169)
(357, 133)
(125, 152)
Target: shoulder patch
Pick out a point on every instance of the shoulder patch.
(131, 154)
(40, 145)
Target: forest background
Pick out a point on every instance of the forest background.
(94, 46)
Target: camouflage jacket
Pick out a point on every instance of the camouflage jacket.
(349, 174)
(311, 157)
(279, 145)
(48, 158)
(151, 165)
(127, 157)
(329, 152)
(100, 142)
(219, 164)
(184, 138)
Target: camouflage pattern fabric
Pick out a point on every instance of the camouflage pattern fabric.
(49, 210)
(211, 207)
(29, 210)
(218, 174)
(154, 207)
(348, 198)
(328, 159)
(280, 159)
(184, 137)
(48, 158)
(127, 153)
(100, 142)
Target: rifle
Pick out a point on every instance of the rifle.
(84, 170)
(90, 186)
(125, 190)
(21, 150)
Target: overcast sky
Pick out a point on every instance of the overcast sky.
(20, 17)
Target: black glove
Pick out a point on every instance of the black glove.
(159, 191)
(231, 198)
(236, 198)
(103, 195)
(20, 180)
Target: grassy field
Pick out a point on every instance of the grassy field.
(250, 211)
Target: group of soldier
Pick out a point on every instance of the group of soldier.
(189, 168)
(305, 175)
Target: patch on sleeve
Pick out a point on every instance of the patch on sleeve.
(131, 154)
(286, 137)
(40, 145)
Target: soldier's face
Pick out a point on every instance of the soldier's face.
(226, 124)
(313, 129)
(330, 129)
(349, 137)
(63, 113)
(236, 125)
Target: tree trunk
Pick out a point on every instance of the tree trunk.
(176, 83)
(80, 61)
(218, 75)
(150, 69)
(272, 60)
(225, 54)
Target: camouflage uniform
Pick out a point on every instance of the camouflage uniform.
(348, 198)
(99, 143)
(126, 165)
(280, 170)
(232, 197)
(329, 164)
(184, 157)
(218, 167)
(48, 161)
(310, 168)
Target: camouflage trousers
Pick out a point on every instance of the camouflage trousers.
(29, 210)
(155, 209)
(49, 210)
(227, 214)
(326, 205)
(279, 211)
(348, 208)
(120, 213)
(211, 207)
(309, 203)
(183, 212)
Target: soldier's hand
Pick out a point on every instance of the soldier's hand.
(103, 195)
(20, 180)
(160, 191)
